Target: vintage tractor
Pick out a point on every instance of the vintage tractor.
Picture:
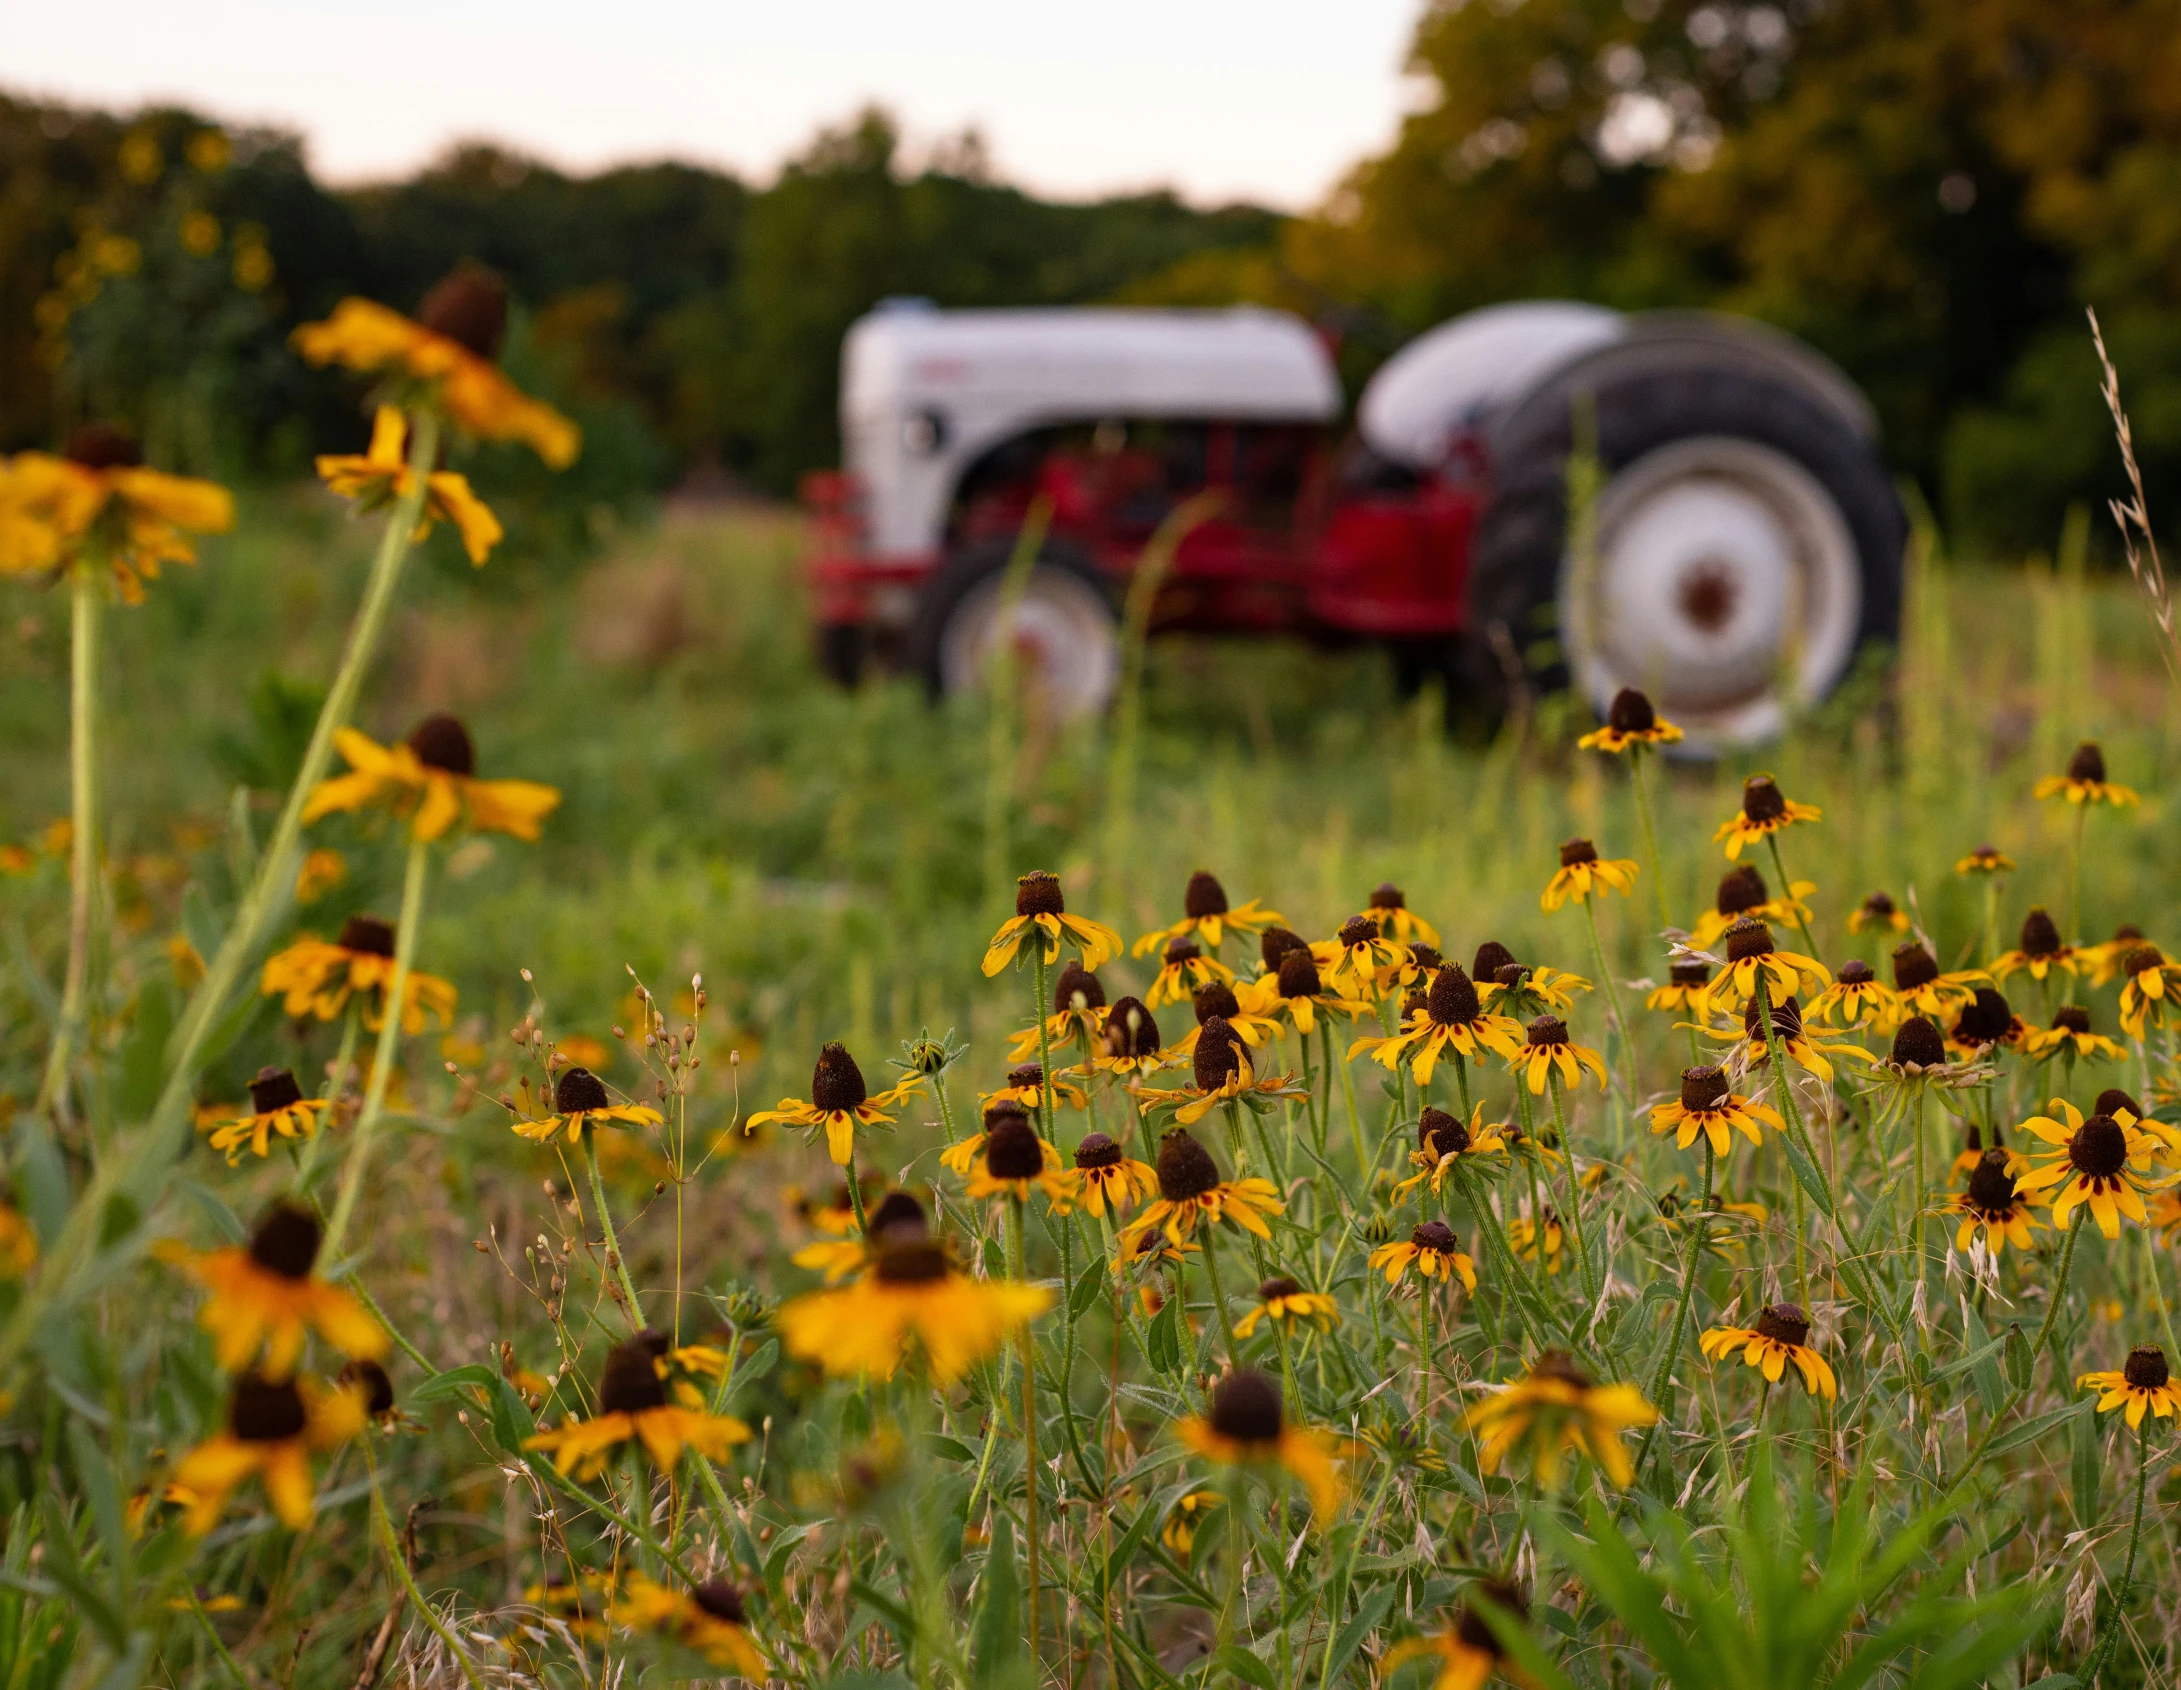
(1746, 542)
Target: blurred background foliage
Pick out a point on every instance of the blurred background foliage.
(1930, 192)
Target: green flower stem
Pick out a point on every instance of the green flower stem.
(1336, 1608)
(2158, 1291)
(393, 1008)
(946, 1109)
(1575, 1194)
(1613, 1004)
(1423, 1345)
(2044, 1332)
(1636, 756)
(400, 1564)
(1689, 1266)
(1019, 1271)
(1923, 1193)
(614, 1257)
(855, 1193)
(1364, 1168)
(2111, 1640)
(1210, 1235)
(1787, 891)
(1044, 1040)
(86, 607)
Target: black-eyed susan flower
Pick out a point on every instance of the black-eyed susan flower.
(1078, 1017)
(1555, 1410)
(1788, 1033)
(374, 1388)
(98, 504)
(1183, 968)
(1973, 1148)
(1630, 723)
(1415, 968)
(1710, 1107)
(912, 1295)
(1246, 1425)
(278, 1108)
(1026, 1085)
(2085, 782)
(633, 1406)
(2070, 1036)
(1991, 1203)
(2143, 1385)
(1985, 859)
(313, 977)
(1128, 1044)
(1221, 1073)
(1395, 920)
(380, 476)
(1519, 991)
(1226, 1001)
(1856, 995)
(1986, 1023)
(1108, 1178)
(1442, 1141)
(1920, 988)
(1584, 875)
(1918, 1051)
(1687, 990)
(580, 1100)
(963, 1156)
(1765, 811)
(1780, 1337)
(2103, 1162)
(1274, 943)
(1014, 1160)
(1191, 1194)
(264, 1297)
(2104, 960)
(1469, 1651)
(849, 1249)
(1286, 1304)
(1301, 989)
(448, 354)
(1878, 913)
(1452, 1017)
(1751, 953)
(1538, 1245)
(274, 1427)
(1179, 1533)
(2039, 951)
(2152, 994)
(1547, 1050)
(1207, 916)
(1742, 892)
(1357, 960)
(1430, 1252)
(838, 1103)
(707, 1619)
(430, 779)
(1040, 909)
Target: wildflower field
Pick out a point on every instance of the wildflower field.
(548, 1146)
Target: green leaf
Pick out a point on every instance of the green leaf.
(1806, 1173)
(1990, 1386)
(1122, 1553)
(893, 1613)
(951, 1449)
(2020, 1362)
(2028, 1432)
(95, 1472)
(512, 1421)
(1165, 1337)
(64, 1569)
(1245, 1666)
(1368, 1618)
(143, 1053)
(454, 1382)
(1088, 1287)
(2086, 1468)
(996, 1637)
(762, 1360)
(119, 1222)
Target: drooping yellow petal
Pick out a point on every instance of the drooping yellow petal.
(472, 517)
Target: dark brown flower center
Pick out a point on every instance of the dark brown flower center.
(1433, 1235)
(1991, 1187)
(836, 1083)
(370, 1378)
(1913, 966)
(911, 1261)
(631, 1382)
(1387, 896)
(1762, 800)
(1358, 930)
(1277, 1286)
(1218, 1053)
(1786, 1019)
(1012, 1150)
(1985, 1019)
(1548, 1030)
(721, 1600)
(286, 1241)
(1491, 957)
(1488, 1593)
(2146, 1367)
(366, 935)
(469, 307)
(2088, 763)
(2099, 1147)
(1631, 713)
(1856, 972)
(101, 445)
(579, 1090)
(1689, 973)
(273, 1089)
(1441, 1134)
(1425, 957)
(1185, 1167)
(1275, 942)
(441, 742)
(898, 1215)
(1784, 1323)
(1298, 976)
(1452, 1001)
(1558, 1364)
(1026, 1076)
(1097, 1151)
(1217, 998)
(1076, 981)
(1577, 851)
(1004, 1109)
(2073, 1017)
(1748, 938)
(1130, 1031)
(2113, 1100)
(2142, 960)
(1038, 893)
(1878, 905)
(1704, 1088)
(1741, 889)
(1204, 896)
(2040, 936)
(266, 1411)
(1181, 950)
(1246, 1408)
(1918, 1045)
(2126, 930)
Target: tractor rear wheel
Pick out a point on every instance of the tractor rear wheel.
(1066, 633)
(1748, 546)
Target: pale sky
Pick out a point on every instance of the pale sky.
(1264, 99)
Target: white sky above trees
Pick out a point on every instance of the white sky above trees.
(1269, 100)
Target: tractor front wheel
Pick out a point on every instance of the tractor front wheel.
(1064, 634)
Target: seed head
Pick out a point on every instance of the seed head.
(1689, 973)
(1577, 851)
(1784, 1323)
(1913, 966)
(1076, 981)
(1991, 1187)
(1434, 1235)
(1012, 1150)
(2088, 763)
(579, 1090)
(1985, 1019)
(898, 1215)
(1491, 957)
(266, 1411)
(1740, 889)
(102, 445)
(1246, 1407)
(1452, 1001)
(2073, 1017)
(273, 1089)
(1130, 1031)
(1704, 1088)
(2040, 936)
(1387, 896)
(286, 1242)
(1358, 930)
(1185, 1167)
(836, 1083)
(1097, 1151)
(1215, 998)
(365, 1375)
(1298, 976)
(443, 743)
(2113, 1100)
(721, 1600)
(468, 306)
(1917, 1045)
(366, 935)
(1275, 942)
(1855, 972)
(1631, 713)
(1748, 938)
(1441, 1134)
(1038, 893)
(911, 1259)
(2099, 1148)
(2146, 1367)
(631, 1381)
(1762, 800)
(1204, 896)
(1218, 1054)
(1547, 1030)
